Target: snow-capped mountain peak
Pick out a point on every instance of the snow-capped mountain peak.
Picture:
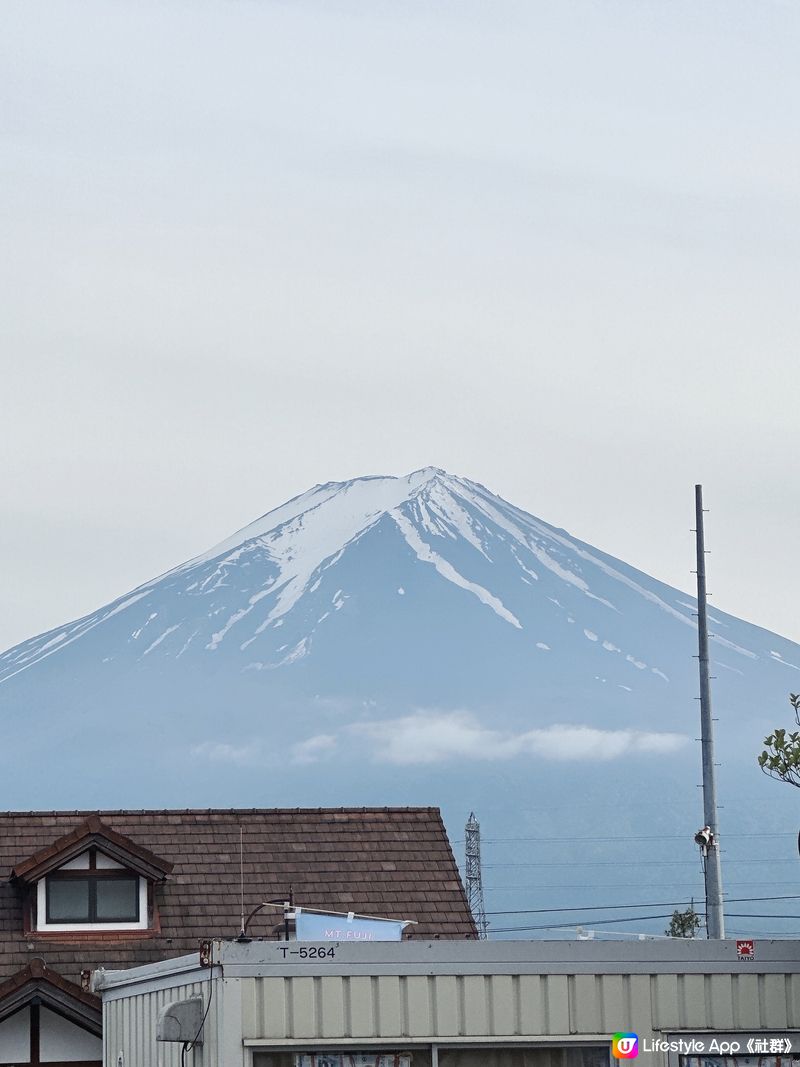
(367, 633)
(341, 546)
(327, 515)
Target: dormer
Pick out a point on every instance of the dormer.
(91, 881)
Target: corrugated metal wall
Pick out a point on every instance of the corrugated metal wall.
(129, 1027)
(445, 1006)
(338, 1008)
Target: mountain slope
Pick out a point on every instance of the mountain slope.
(273, 574)
(395, 639)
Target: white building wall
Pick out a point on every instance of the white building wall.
(82, 863)
(15, 1032)
(62, 1040)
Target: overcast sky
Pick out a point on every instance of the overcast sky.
(250, 245)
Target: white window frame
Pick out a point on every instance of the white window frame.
(63, 928)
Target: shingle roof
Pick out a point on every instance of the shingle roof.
(395, 862)
(92, 831)
(38, 980)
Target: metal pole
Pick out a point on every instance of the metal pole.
(715, 919)
(286, 909)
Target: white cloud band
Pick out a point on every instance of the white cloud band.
(438, 737)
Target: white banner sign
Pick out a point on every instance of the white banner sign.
(314, 926)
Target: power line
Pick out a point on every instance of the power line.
(542, 886)
(618, 837)
(747, 915)
(641, 904)
(590, 921)
(557, 810)
(642, 863)
(577, 922)
(546, 886)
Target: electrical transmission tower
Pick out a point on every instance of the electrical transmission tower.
(474, 878)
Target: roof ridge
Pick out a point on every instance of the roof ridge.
(101, 812)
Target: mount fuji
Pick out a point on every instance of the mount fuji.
(409, 640)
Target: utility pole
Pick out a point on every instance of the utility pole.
(715, 919)
(472, 836)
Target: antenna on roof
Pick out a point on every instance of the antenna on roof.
(241, 879)
(474, 878)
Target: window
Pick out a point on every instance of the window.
(101, 898)
(576, 1056)
(92, 893)
(419, 1057)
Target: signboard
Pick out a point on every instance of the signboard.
(352, 1059)
(746, 950)
(310, 926)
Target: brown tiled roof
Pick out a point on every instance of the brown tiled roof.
(395, 862)
(91, 831)
(38, 979)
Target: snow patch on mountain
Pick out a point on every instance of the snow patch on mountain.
(425, 553)
(30, 652)
(160, 638)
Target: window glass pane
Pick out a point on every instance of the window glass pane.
(67, 900)
(117, 899)
(577, 1056)
(418, 1057)
(588, 1057)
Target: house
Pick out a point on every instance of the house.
(118, 889)
(677, 1003)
